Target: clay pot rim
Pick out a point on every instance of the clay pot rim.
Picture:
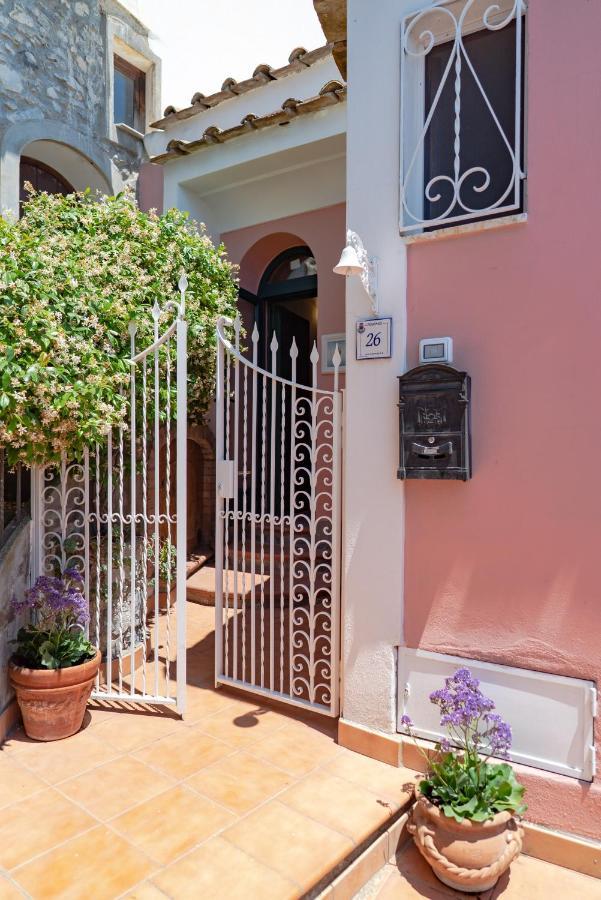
(22, 676)
(500, 819)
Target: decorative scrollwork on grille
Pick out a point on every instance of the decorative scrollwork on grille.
(278, 607)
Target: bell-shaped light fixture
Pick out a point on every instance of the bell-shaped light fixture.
(349, 262)
(355, 261)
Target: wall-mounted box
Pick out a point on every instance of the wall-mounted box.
(434, 423)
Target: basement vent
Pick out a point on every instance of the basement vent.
(551, 716)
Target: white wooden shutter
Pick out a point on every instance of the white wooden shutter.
(551, 716)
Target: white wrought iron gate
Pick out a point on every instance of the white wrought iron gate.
(277, 548)
(118, 516)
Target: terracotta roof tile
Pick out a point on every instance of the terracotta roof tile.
(299, 59)
(331, 93)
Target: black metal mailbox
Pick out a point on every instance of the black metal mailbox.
(434, 414)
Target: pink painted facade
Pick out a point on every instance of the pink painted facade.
(505, 567)
(322, 230)
(151, 187)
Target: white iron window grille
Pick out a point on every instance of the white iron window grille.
(462, 100)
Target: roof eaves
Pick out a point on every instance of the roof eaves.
(331, 93)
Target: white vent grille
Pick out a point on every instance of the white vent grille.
(551, 716)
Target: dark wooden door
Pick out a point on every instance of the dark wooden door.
(42, 178)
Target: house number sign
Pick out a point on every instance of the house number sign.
(374, 338)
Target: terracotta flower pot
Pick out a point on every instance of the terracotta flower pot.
(53, 701)
(467, 856)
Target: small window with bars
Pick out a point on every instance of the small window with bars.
(129, 95)
(462, 113)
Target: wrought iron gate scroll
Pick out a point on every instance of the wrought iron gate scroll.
(277, 547)
(114, 515)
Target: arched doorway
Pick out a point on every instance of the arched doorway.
(42, 177)
(286, 305)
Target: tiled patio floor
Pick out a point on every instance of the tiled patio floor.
(410, 878)
(240, 800)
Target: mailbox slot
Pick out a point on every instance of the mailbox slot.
(434, 417)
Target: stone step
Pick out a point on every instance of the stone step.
(200, 587)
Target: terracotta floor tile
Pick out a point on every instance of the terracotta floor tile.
(296, 752)
(339, 804)
(17, 782)
(59, 760)
(35, 825)
(184, 753)
(390, 784)
(96, 864)
(240, 782)
(172, 823)
(115, 787)
(145, 891)
(8, 891)
(297, 847)
(220, 870)
(132, 731)
(315, 724)
(412, 877)
(396, 887)
(533, 879)
(242, 724)
(204, 701)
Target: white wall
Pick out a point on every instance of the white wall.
(374, 507)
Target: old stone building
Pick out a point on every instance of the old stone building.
(78, 86)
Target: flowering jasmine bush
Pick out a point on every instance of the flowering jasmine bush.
(74, 272)
(55, 637)
(461, 780)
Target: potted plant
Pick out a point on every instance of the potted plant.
(54, 665)
(167, 565)
(465, 821)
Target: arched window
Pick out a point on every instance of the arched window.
(292, 273)
(286, 304)
(42, 178)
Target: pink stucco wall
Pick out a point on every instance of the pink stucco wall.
(323, 230)
(506, 567)
(151, 187)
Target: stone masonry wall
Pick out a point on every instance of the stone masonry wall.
(53, 66)
(14, 572)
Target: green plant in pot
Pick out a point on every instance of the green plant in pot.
(166, 560)
(466, 819)
(54, 665)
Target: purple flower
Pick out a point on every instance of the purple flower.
(467, 714)
(73, 575)
(56, 602)
(406, 721)
(461, 701)
(498, 735)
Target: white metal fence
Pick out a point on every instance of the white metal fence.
(119, 516)
(277, 525)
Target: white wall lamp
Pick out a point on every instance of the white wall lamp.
(355, 261)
